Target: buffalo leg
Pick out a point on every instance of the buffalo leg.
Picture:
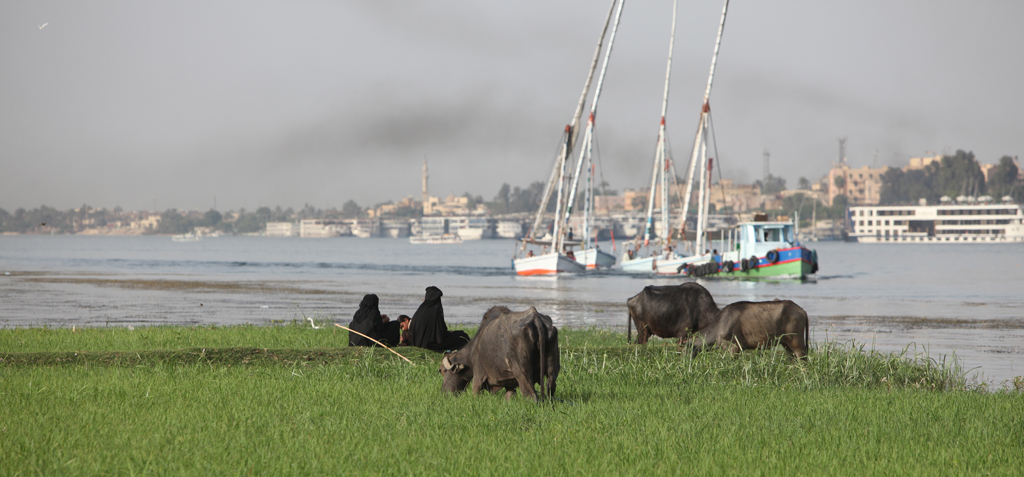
(509, 392)
(642, 334)
(478, 383)
(552, 376)
(526, 387)
(698, 343)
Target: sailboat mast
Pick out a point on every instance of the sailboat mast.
(556, 243)
(659, 154)
(666, 229)
(702, 124)
(589, 203)
(694, 159)
(650, 196)
(699, 244)
(714, 57)
(589, 136)
(707, 200)
(572, 130)
(814, 218)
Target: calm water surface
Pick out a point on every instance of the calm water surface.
(967, 299)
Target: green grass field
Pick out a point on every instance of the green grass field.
(292, 400)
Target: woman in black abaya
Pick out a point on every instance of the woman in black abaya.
(370, 322)
(428, 329)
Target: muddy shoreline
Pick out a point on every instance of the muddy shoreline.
(993, 347)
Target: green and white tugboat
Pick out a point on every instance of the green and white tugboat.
(759, 249)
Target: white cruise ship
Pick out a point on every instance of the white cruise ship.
(942, 223)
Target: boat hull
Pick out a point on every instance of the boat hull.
(795, 262)
(546, 264)
(659, 264)
(189, 237)
(672, 266)
(638, 265)
(595, 259)
(446, 239)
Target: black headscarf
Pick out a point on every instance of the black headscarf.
(367, 321)
(428, 329)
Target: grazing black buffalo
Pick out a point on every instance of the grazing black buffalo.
(512, 349)
(749, 325)
(670, 311)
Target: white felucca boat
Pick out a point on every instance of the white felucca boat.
(670, 259)
(643, 259)
(591, 257)
(553, 257)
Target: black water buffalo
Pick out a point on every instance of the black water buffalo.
(749, 325)
(670, 311)
(512, 349)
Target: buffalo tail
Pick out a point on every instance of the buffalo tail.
(629, 327)
(807, 336)
(542, 341)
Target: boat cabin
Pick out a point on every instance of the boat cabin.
(757, 238)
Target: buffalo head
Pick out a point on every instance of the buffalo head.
(455, 375)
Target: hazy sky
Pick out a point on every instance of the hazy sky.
(285, 103)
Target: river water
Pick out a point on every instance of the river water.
(943, 299)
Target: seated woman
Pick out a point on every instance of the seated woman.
(368, 321)
(428, 329)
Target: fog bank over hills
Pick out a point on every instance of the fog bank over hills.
(165, 104)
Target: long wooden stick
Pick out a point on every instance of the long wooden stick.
(375, 341)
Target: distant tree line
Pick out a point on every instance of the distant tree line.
(805, 204)
(44, 218)
(952, 176)
(174, 222)
(771, 185)
(511, 200)
(47, 219)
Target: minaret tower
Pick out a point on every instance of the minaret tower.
(426, 196)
